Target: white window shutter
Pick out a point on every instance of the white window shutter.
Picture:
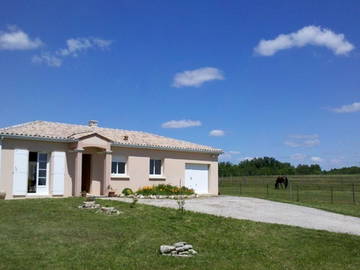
(21, 166)
(58, 173)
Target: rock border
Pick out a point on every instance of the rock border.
(179, 249)
(140, 196)
(110, 211)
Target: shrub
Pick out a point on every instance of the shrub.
(165, 190)
(127, 191)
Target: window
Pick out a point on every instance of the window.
(118, 165)
(155, 167)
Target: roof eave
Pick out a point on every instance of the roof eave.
(35, 138)
(68, 140)
(177, 149)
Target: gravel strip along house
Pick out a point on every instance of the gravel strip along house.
(46, 159)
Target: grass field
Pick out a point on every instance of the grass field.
(54, 234)
(338, 193)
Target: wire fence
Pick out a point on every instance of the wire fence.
(301, 189)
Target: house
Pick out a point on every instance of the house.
(55, 159)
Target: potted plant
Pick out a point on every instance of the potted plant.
(2, 195)
(83, 194)
(111, 192)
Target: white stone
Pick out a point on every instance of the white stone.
(187, 247)
(166, 249)
(179, 244)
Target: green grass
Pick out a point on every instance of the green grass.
(332, 193)
(54, 234)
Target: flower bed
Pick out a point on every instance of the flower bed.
(164, 190)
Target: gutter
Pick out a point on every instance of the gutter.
(35, 138)
(167, 148)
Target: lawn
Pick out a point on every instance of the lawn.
(337, 193)
(54, 234)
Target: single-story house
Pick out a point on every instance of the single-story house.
(55, 159)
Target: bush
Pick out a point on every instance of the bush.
(165, 190)
(127, 191)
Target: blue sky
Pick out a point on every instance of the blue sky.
(255, 78)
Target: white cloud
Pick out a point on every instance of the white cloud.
(228, 155)
(77, 45)
(316, 159)
(303, 140)
(73, 48)
(247, 158)
(298, 157)
(16, 39)
(304, 136)
(197, 77)
(48, 59)
(309, 35)
(217, 133)
(181, 124)
(355, 107)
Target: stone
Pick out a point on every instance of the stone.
(166, 249)
(110, 211)
(192, 251)
(89, 205)
(179, 244)
(187, 247)
(179, 249)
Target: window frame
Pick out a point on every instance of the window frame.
(118, 159)
(154, 167)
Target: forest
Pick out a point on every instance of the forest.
(271, 166)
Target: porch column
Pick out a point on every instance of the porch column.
(78, 172)
(107, 171)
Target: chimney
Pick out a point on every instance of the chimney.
(93, 123)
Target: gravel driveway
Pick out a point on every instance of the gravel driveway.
(264, 211)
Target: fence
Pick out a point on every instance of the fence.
(300, 189)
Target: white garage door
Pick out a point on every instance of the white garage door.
(197, 177)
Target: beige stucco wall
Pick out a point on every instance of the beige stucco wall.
(137, 165)
(173, 168)
(7, 160)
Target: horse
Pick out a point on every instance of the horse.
(281, 181)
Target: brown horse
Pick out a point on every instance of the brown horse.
(281, 181)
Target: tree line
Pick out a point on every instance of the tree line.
(271, 166)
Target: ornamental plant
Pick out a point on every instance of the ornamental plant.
(127, 191)
(163, 189)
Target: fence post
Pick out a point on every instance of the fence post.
(267, 190)
(240, 186)
(332, 195)
(353, 192)
(297, 193)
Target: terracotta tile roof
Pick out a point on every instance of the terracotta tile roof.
(71, 132)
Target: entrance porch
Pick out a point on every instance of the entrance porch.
(92, 165)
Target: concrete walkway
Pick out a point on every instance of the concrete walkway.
(264, 211)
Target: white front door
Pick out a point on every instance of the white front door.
(38, 180)
(197, 177)
(42, 174)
